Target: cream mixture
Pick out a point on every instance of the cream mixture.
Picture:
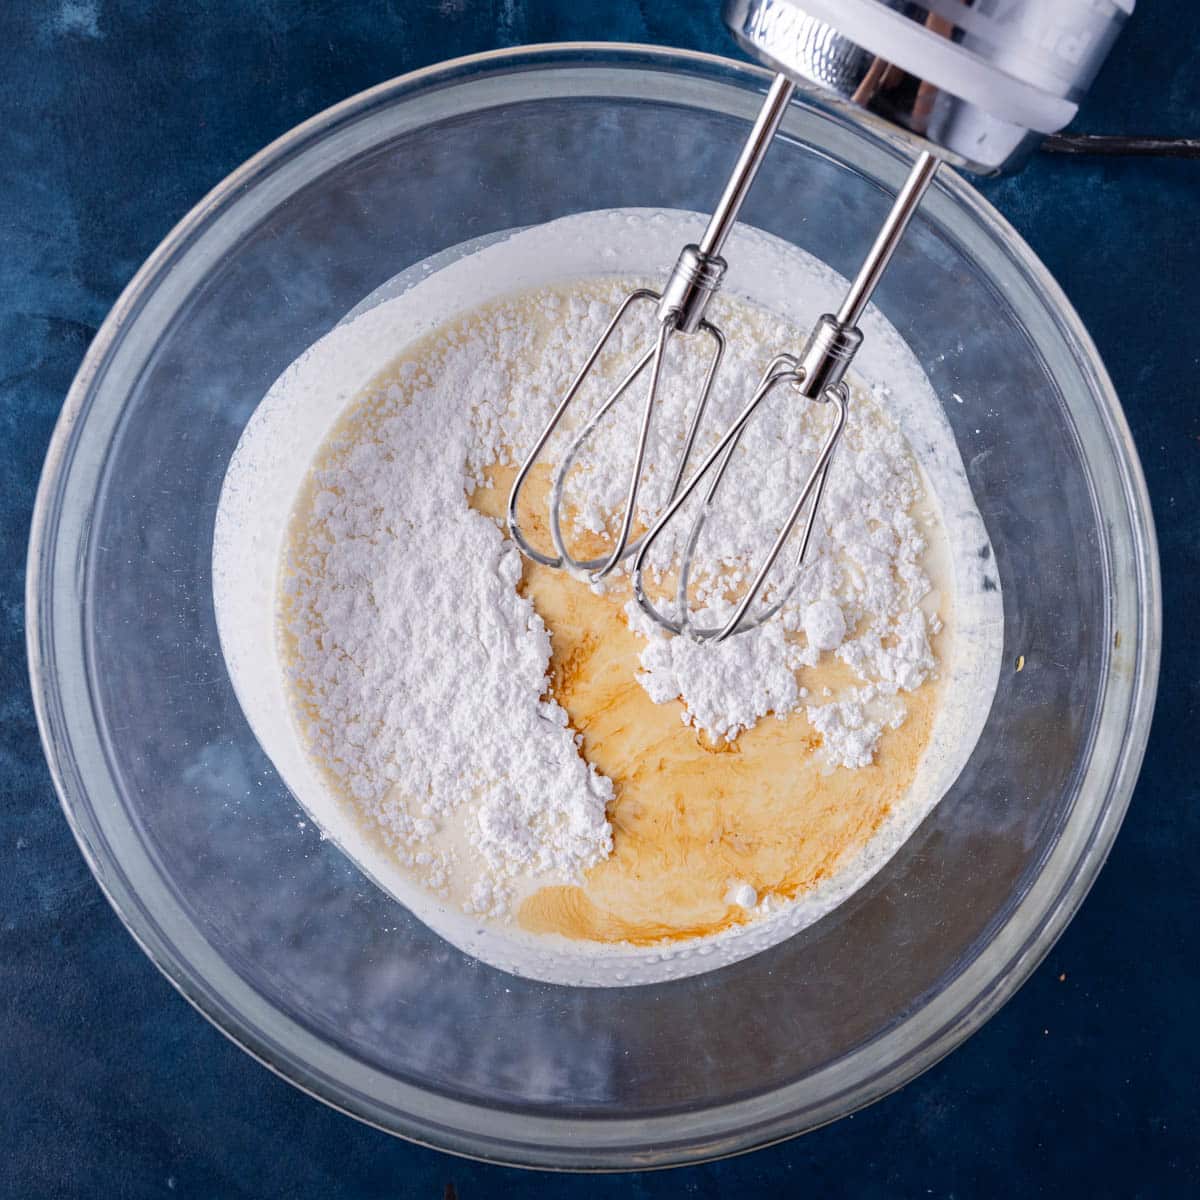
(421, 674)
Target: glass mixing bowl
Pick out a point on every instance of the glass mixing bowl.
(272, 933)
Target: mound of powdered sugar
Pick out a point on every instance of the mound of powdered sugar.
(421, 672)
(727, 686)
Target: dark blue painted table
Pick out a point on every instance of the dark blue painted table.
(115, 117)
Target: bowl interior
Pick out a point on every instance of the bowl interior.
(277, 935)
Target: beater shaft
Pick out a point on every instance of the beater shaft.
(888, 239)
(766, 125)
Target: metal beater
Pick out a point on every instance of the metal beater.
(973, 82)
(681, 306)
(817, 374)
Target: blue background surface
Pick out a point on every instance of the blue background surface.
(115, 117)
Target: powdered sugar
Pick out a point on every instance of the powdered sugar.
(421, 672)
(725, 687)
(824, 624)
(850, 737)
(865, 568)
(859, 594)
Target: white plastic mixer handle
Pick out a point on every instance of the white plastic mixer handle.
(978, 83)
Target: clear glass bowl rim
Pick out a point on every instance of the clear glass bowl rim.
(534, 1140)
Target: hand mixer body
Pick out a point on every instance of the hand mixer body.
(975, 84)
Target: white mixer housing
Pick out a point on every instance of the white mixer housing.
(978, 83)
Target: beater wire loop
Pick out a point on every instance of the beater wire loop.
(782, 370)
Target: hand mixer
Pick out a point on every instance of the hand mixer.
(975, 83)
